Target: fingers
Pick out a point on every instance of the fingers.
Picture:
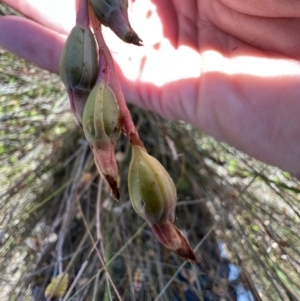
(263, 8)
(31, 41)
(180, 20)
(278, 35)
(57, 15)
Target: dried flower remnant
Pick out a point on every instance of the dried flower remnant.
(170, 236)
(113, 14)
(138, 279)
(102, 127)
(79, 68)
(153, 196)
(57, 287)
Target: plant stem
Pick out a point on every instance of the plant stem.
(102, 69)
(126, 119)
(82, 16)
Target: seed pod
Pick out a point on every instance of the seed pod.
(151, 189)
(113, 14)
(102, 127)
(79, 67)
(101, 117)
(153, 196)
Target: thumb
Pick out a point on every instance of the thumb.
(31, 41)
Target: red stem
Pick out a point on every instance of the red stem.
(102, 68)
(126, 119)
(82, 16)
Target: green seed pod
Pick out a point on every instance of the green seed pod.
(79, 67)
(102, 127)
(153, 196)
(151, 189)
(78, 64)
(101, 116)
(113, 14)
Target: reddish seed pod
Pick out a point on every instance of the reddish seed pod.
(113, 14)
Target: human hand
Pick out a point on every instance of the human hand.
(231, 68)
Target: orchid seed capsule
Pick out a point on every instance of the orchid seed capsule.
(79, 67)
(78, 64)
(101, 117)
(151, 189)
(102, 127)
(153, 196)
(113, 14)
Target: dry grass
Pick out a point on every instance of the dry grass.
(56, 215)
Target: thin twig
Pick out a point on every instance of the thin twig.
(82, 241)
(94, 298)
(77, 278)
(98, 225)
(98, 253)
(98, 210)
(82, 16)
(66, 221)
(128, 242)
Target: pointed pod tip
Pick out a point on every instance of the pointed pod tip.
(187, 253)
(172, 238)
(105, 160)
(132, 38)
(113, 187)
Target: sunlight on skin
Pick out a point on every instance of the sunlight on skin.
(157, 67)
(248, 65)
(58, 15)
(136, 65)
(163, 64)
(269, 8)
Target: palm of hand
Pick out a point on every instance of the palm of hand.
(222, 70)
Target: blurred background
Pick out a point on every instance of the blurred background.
(241, 217)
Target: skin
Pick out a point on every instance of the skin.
(229, 67)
